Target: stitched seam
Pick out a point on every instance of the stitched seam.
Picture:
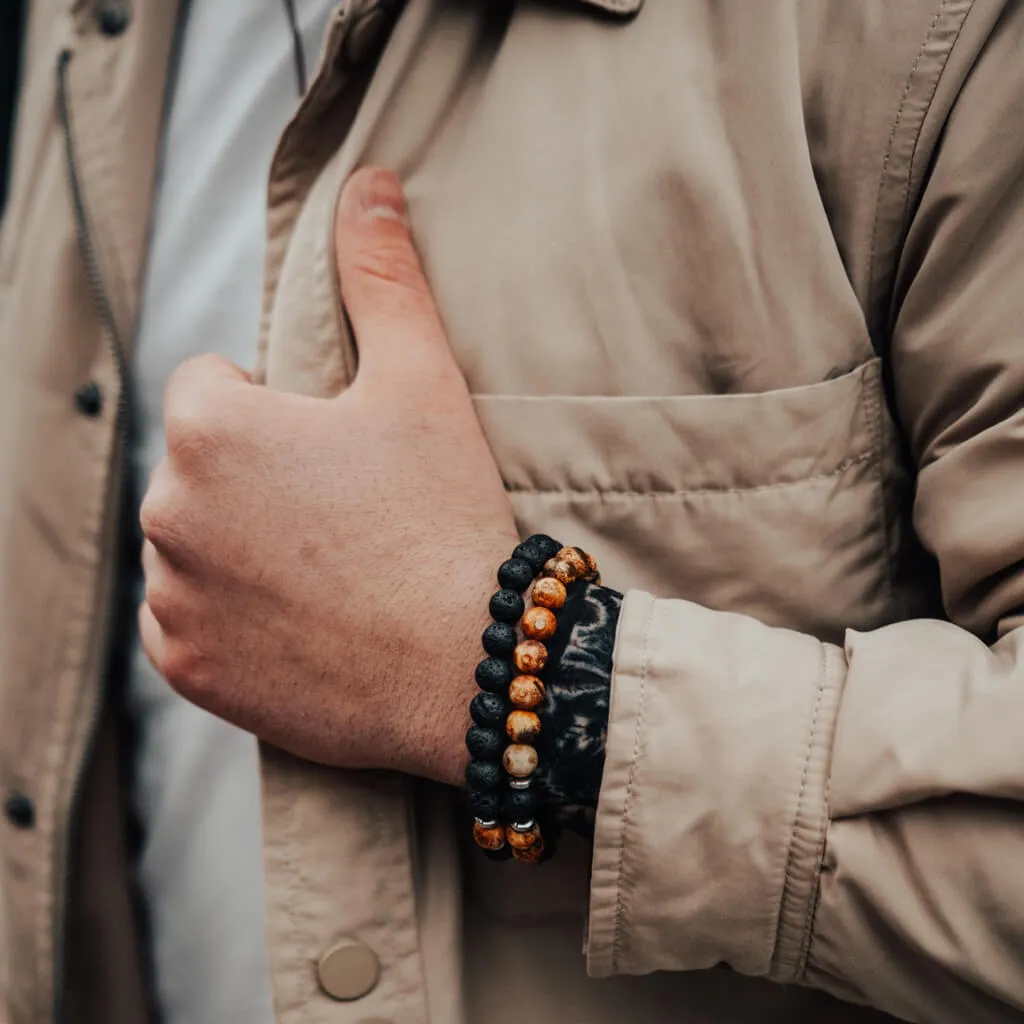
(812, 905)
(888, 154)
(927, 110)
(617, 926)
(597, 492)
(874, 408)
(789, 882)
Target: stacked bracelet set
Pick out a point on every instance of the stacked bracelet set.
(502, 740)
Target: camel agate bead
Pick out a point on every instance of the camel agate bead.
(533, 854)
(540, 623)
(549, 593)
(520, 760)
(526, 692)
(561, 570)
(522, 727)
(488, 835)
(576, 558)
(530, 656)
(522, 840)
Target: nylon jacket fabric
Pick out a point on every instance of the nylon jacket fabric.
(737, 291)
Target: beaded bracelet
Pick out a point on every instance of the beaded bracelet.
(506, 825)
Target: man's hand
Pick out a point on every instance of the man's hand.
(318, 570)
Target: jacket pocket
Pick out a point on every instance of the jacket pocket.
(769, 504)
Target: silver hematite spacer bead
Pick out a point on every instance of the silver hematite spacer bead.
(524, 826)
(519, 783)
(486, 824)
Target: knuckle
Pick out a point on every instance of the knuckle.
(150, 517)
(156, 513)
(151, 510)
(197, 371)
(162, 604)
(185, 669)
(167, 535)
(198, 415)
(154, 522)
(193, 432)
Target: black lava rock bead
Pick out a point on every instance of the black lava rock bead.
(537, 550)
(494, 675)
(507, 606)
(489, 710)
(516, 574)
(500, 639)
(520, 805)
(485, 744)
(484, 776)
(485, 806)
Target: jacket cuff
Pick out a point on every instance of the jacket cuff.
(713, 812)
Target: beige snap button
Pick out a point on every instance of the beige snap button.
(349, 970)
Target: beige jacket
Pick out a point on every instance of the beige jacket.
(739, 289)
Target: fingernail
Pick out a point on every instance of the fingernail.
(374, 194)
(384, 213)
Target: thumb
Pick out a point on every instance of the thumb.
(397, 327)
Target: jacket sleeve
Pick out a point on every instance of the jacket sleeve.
(852, 818)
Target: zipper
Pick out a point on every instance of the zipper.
(97, 286)
(298, 50)
(122, 426)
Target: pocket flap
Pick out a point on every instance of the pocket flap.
(682, 443)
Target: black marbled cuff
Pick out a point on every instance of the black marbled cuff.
(575, 713)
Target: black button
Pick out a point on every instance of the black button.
(89, 399)
(20, 811)
(114, 16)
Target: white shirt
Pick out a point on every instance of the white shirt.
(196, 785)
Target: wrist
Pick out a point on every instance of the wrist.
(554, 626)
(430, 731)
